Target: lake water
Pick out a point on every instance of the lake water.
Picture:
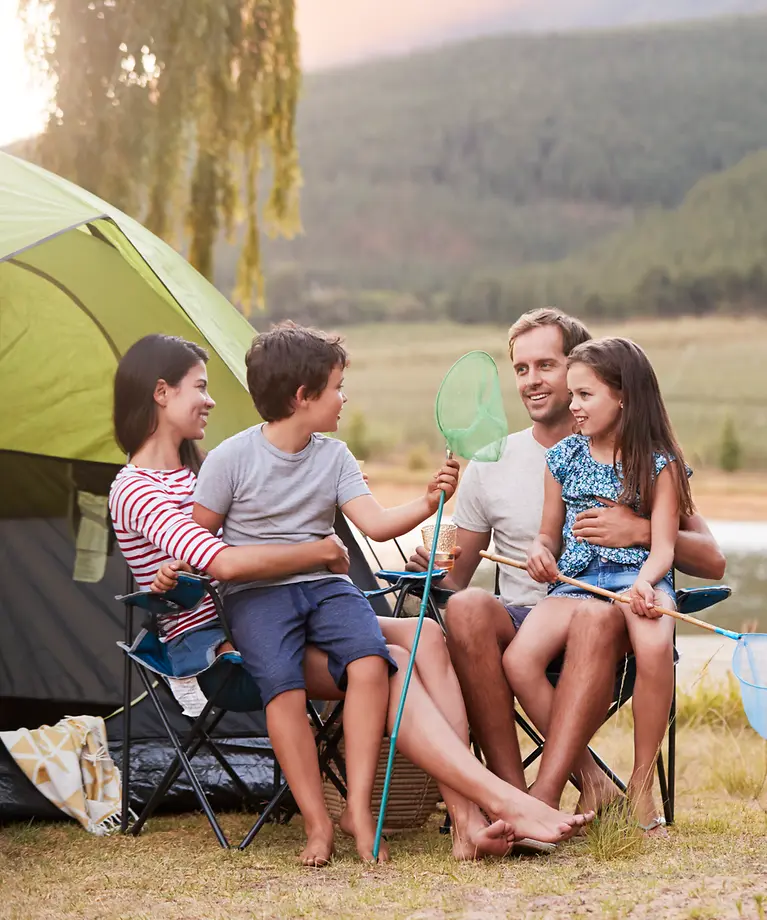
(745, 546)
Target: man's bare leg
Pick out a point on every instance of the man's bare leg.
(596, 642)
(479, 629)
(525, 661)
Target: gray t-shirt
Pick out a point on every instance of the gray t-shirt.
(269, 496)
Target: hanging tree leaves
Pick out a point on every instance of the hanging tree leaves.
(163, 108)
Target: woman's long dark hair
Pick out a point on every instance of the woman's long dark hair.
(644, 427)
(153, 358)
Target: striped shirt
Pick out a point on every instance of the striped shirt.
(152, 516)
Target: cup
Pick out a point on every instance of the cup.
(444, 557)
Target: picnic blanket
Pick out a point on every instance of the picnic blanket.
(69, 764)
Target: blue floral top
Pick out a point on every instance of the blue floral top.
(584, 482)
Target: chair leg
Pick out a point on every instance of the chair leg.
(237, 780)
(185, 765)
(192, 744)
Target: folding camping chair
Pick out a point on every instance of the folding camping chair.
(227, 688)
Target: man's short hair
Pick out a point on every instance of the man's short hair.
(574, 332)
(285, 358)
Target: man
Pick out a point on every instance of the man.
(504, 501)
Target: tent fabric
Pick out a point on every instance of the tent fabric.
(73, 303)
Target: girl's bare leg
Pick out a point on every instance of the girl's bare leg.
(653, 644)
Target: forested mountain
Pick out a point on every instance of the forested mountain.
(424, 172)
(354, 30)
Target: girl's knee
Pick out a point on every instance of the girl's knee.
(432, 642)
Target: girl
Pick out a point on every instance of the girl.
(625, 452)
(161, 408)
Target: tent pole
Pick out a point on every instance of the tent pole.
(127, 675)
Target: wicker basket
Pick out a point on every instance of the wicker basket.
(413, 795)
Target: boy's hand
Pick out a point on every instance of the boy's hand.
(336, 555)
(167, 576)
(444, 480)
(642, 597)
(541, 564)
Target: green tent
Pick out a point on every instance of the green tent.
(79, 283)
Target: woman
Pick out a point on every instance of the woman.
(161, 407)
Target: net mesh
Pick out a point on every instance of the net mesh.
(749, 663)
(469, 409)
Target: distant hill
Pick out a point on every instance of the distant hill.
(356, 30)
(471, 159)
(714, 243)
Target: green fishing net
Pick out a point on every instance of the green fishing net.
(469, 409)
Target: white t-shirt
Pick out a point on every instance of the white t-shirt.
(506, 498)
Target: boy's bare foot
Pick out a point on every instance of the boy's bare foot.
(319, 846)
(481, 840)
(362, 827)
(533, 818)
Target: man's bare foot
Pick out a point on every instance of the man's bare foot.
(598, 793)
(362, 827)
(477, 842)
(319, 846)
(530, 817)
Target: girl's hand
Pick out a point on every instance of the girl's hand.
(167, 576)
(541, 564)
(642, 595)
(444, 480)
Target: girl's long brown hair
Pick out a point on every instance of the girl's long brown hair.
(153, 358)
(644, 427)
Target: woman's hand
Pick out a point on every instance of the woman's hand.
(541, 564)
(642, 599)
(167, 576)
(444, 480)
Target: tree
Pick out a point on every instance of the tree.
(163, 107)
(729, 450)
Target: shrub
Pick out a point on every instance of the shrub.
(730, 450)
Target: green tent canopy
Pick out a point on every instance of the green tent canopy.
(79, 283)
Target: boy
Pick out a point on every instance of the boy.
(280, 482)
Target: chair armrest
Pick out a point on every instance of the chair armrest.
(186, 595)
(693, 600)
(413, 582)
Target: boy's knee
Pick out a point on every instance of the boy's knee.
(469, 618)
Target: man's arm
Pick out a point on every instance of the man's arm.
(696, 551)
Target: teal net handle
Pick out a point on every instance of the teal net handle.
(408, 675)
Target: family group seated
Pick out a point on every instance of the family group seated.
(597, 488)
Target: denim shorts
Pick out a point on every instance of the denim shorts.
(195, 650)
(272, 626)
(612, 576)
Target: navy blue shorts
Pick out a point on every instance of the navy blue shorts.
(272, 627)
(611, 576)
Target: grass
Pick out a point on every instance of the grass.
(709, 369)
(714, 865)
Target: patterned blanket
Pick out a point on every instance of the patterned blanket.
(69, 763)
